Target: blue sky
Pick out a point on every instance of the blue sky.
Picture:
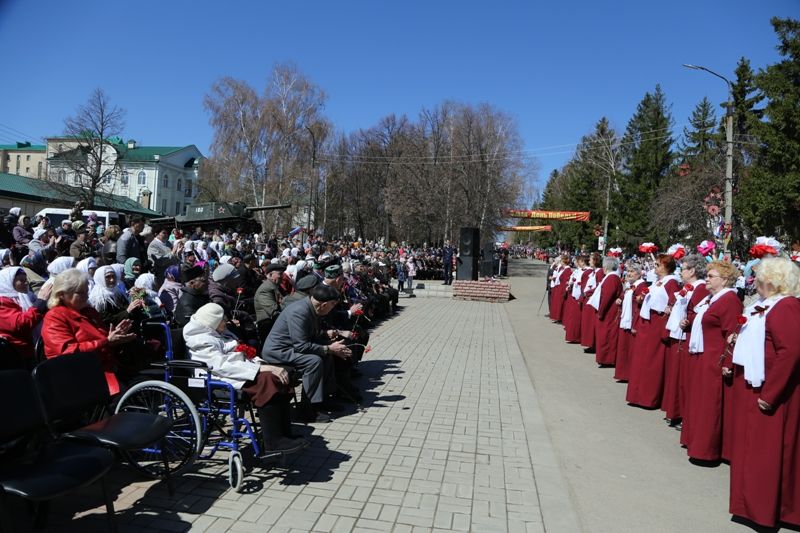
(556, 66)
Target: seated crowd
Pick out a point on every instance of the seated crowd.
(258, 311)
(712, 343)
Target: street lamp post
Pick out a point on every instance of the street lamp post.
(729, 158)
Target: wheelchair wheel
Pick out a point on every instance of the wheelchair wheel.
(184, 441)
(235, 471)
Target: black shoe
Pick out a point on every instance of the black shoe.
(588, 350)
(285, 446)
(318, 418)
(331, 406)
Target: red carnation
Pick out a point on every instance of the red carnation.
(248, 351)
(760, 250)
(368, 349)
(358, 312)
(679, 253)
(646, 290)
(240, 291)
(741, 320)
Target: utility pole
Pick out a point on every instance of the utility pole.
(728, 228)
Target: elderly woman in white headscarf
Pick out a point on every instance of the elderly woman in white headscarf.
(56, 267)
(109, 299)
(88, 265)
(20, 312)
(147, 283)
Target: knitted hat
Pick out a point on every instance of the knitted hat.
(210, 315)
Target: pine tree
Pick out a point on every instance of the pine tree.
(769, 195)
(700, 142)
(647, 156)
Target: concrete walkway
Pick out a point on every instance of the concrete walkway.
(451, 439)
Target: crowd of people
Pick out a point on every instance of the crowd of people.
(259, 310)
(712, 343)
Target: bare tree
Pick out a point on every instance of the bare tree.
(86, 158)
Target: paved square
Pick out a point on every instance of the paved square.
(451, 438)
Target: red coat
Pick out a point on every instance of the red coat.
(17, 325)
(588, 314)
(704, 411)
(765, 452)
(558, 294)
(648, 350)
(686, 360)
(67, 331)
(606, 327)
(626, 337)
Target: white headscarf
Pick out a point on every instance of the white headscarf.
(119, 270)
(60, 264)
(101, 296)
(7, 290)
(147, 282)
(224, 259)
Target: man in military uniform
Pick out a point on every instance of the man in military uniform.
(447, 259)
(302, 289)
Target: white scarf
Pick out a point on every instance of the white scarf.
(594, 301)
(626, 318)
(23, 299)
(101, 296)
(749, 349)
(657, 298)
(679, 311)
(556, 275)
(696, 343)
(576, 282)
(591, 283)
(60, 264)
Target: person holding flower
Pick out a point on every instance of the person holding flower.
(765, 448)
(708, 410)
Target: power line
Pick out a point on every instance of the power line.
(14, 132)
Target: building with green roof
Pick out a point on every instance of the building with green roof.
(24, 159)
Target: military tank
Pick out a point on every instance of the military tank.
(217, 215)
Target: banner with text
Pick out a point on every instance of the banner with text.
(524, 228)
(580, 216)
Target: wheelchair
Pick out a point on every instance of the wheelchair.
(208, 415)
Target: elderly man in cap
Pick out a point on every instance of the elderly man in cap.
(193, 296)
(267, 301)
(302, 290)
(80, 249)
(296, 340)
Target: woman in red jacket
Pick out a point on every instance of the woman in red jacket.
(73, 326)
(20, 314)
(716, 319)
(765, 452)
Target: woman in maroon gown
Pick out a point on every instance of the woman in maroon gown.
(716, 319)
(765, 452)
(588, 313)
(606, 326)
(571, 315)
(562, 276)
(630, 305)
(693, 270)
(646, 381)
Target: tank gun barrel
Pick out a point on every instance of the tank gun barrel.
(268, 207)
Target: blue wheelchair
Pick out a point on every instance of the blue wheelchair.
(208, 415)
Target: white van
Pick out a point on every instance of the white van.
(58, 215)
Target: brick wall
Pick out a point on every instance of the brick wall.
(483, 291)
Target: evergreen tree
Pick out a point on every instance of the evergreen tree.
(769, 195)
(699, 142)
(647, 156)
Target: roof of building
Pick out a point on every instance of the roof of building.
(26, 146)
(12, 185)
(144, 153)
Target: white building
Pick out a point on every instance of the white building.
(161, 178)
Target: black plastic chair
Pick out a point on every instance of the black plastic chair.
(11, 359)
(48, 471)
(73, 384)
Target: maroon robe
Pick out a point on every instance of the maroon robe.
(625, 338)
(680, 352)
(606, 327)
(704, 411)
(572, 312)
(558, 294)
(646, 380)
(588, 313)
(765, 452)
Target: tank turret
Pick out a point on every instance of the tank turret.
(218, 215)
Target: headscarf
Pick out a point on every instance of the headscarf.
(85, 266)
(147, 282)
(7, 290)
(60, 264)
(119, 270)
(128, 268)
(101, 296)
(4, 253)
(173, 272)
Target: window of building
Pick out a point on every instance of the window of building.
(107, 177)
(166, 181)
(188, 190)
(124, 179)
(62, 176)
(179, 184)
(142, 178)
(27, 157)
(76, 179)
(163, 207)
(177, 208)
(39, 170)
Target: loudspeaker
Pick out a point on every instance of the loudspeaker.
(487, 263)
(470, 242)
(469, 250)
